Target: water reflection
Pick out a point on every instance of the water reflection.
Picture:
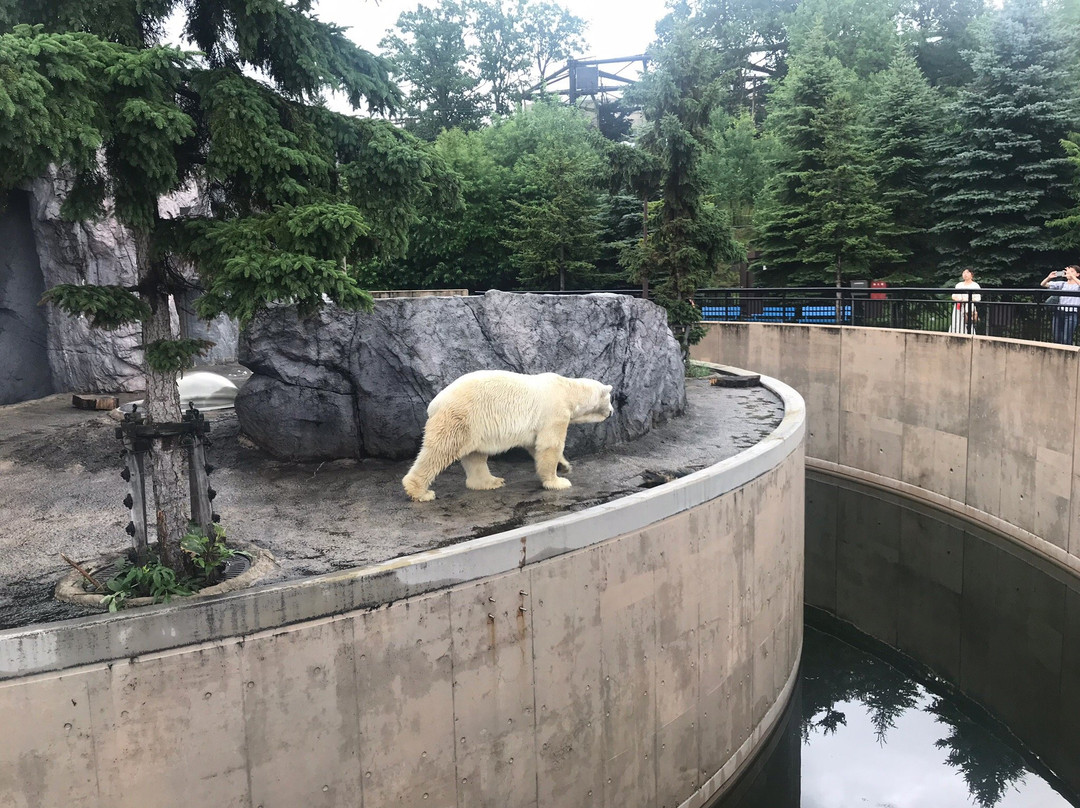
(861, 732)
(928, 622)
(873, 736)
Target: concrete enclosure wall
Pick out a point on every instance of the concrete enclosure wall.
(635, 653)
(982, 426)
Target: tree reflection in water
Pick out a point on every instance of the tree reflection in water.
(989, 767)
(835, 672)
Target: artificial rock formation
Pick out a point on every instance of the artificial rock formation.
(66, 352)
(352, 384)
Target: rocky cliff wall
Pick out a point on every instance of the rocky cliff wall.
(350, 384)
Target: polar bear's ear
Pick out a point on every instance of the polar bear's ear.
(608, 388)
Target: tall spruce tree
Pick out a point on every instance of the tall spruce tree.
(1068, 226)
(689, 238)
(554, 231)
(906, 117)
(1002, 172)
(300, 196)
(819, 221)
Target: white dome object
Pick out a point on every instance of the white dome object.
(208, 391)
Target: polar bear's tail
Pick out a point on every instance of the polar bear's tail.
(445, 437)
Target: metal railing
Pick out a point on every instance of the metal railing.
(1015, 313)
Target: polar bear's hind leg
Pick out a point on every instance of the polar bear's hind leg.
(477, 475)
(445, 436)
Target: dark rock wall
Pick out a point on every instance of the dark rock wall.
(348, 384)
(24, 360)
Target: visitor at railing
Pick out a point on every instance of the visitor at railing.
(1066, 305)
(965, 317)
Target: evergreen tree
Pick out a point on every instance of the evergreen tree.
(861, 35)
(819, 221)
(690, 238)
(941, 32)
(554, 231)
(299, 195)
(1068, 226)
(1002, 172)
(906, 115)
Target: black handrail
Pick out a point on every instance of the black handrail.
(1020, 313)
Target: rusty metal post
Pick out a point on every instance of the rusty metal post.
(198, 483)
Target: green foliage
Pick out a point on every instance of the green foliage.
(150, 580)
(208, 554)
(107, 307)
(736, 171)
(860, 35)
(819, 219)
(251, 262)
(553, 233)
(430, 53)
(1002, 174)
(906, 117)
(501, 52)
(540, 152)
(1069, 224)
(552, 34)
(690, 238)
(175, 355)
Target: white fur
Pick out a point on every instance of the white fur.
(488, 412)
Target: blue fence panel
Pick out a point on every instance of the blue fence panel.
(721, 312)
(824, 314)
(774, 314)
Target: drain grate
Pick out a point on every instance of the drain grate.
(235, 566)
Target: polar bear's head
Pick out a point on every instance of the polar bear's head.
(595, 402)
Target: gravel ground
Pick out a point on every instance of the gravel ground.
(61, 492)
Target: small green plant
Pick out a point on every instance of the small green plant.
(154, 580)
(208, 554)
(696, 371)
(150, 580)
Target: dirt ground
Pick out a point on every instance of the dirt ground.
(61, 492)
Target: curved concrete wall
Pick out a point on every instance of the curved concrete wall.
(635, 653)
(982, 426)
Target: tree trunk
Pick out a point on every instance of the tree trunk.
(644, 242)
(168, 467)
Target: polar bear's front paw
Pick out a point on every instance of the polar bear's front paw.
(557, 484)
(485, 484)
(424, 496)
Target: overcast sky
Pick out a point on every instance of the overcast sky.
(615, 27)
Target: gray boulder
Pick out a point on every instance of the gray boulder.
(350, 384)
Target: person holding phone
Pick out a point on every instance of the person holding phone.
(1067, 282)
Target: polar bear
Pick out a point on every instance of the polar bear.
(488, 412)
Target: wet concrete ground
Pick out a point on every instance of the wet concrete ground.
(61, 492)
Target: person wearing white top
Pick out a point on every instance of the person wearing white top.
(1068, 283)
(964, 314)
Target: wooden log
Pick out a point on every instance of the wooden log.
(94, 402)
